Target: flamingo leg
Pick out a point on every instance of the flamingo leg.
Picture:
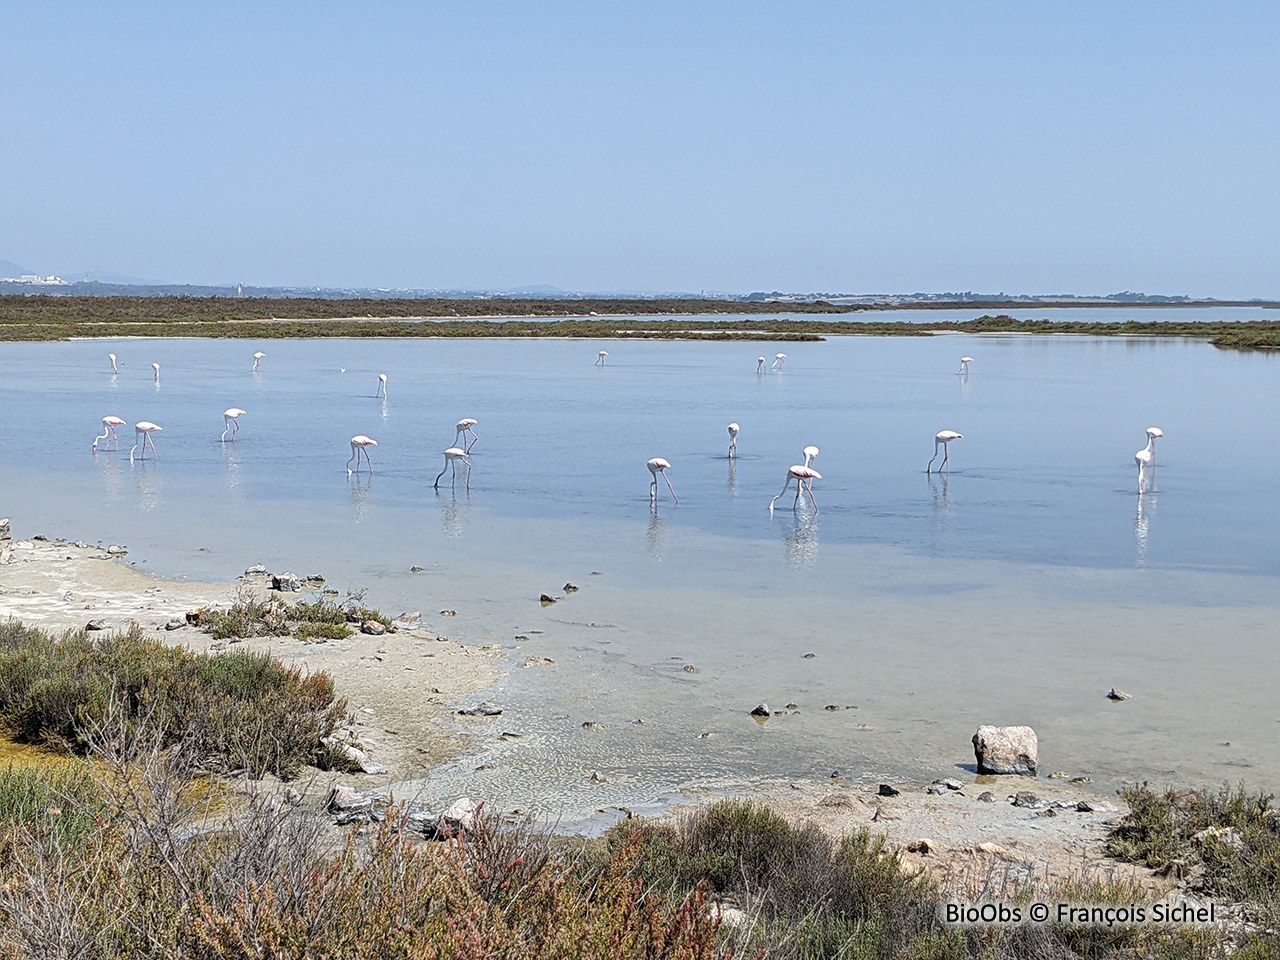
(809, 489)
(441, 473)
(785, 486)
(152, 441)
(946, 455)
(653, 490)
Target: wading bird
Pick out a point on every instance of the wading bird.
(464, 427)
(1146, 457)
(257, 360)
(230, 418)
(759, 364)
(109, 425)
(112, 358)
(156, 367)
(943, 438)
(733, 439)
(360, 443)
(660, 466)
(964, 366)
(778, 360)
(451, 458)
(810, 455)
(142, 431)
(382, 386)
(600, 357)
(804, 477)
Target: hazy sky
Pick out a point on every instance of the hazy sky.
(893, 146)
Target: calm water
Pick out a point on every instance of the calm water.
(1017, 589)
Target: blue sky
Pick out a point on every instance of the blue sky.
(1083, 147)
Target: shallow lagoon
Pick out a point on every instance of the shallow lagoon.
(1018, 589)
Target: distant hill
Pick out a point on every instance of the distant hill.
(10, 270)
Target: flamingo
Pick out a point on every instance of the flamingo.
(360, 443)
(156, 368)
(112, 358)
(257, 360)
(944, 438)
(810, 455)
(759, 364)
(382, 386)
(964, 366)
(733, 439)
(778, 360)
(109, 425)
(1146, 457)
(659, 465)
(600, 358)
(142, 431)
(804, 477)
(464, 427)
(451, 458)
(230, 418)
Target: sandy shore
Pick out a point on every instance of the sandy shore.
(404, 689)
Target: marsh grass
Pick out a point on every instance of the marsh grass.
(313, 620)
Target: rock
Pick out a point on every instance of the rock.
(831, 708)
(285, 582)
(1006, 750)
(888, 791)
(689, 668)
(935, 788)
(884, 813)
(792, 707)
(4, 528)
(448, 613)
(344, 799)
(570, 588)
(547, 600)
(598, 777)
(923, 845)
(1226, 835)
(373, 628)
(730, 916)
(116, 550)
(175, 624)
(810, 656)
(485, 709)
(951, 783)
(534, 661)
(41, 537)
(95, 625)
(761, 710)
(415, 569)
(408, 620)
(1059, 775)
(592, 725)
(1096, 806)
(837, 800)
(195, 614)
(1118, 695)
(257, 570)
(987, 796)
(993, 849)
(1024, 798)
(1051, 812)
(372, 767)
(293, 797)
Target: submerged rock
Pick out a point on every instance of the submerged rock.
(1006, 750)
(95, 625)
(1119, 695)
(285, 582)
(257, 570)
(546, 600)
(761, 710)
(485, 709)
(116, 550)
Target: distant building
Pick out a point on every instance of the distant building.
(34, 280)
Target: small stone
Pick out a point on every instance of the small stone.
(761, 710)
(285, 583)
(409, 619)
(986, 796)
(570, 588)
(689, 668)
(923, 845)
(485, 709)
(1024, 798)
(547, 600)
(344, 799)
(888, 791)
(175, 624)
(994, 849)
(520, 638)
(116, 550)
(598, 777)
(1096, 806)
(704, 736)
(936, 788)
(95, 625)
(4, 528)
(257, 570)
(810, 656)
(1059, 775)
(372, 767)
(448, 613)
(951, 783)
(831, 708)
(292, 797)
(1118, 695)
(373, 628)
(415, 569)
(195, 614)
(1051, 812)
(592, 725)
(1082, 779)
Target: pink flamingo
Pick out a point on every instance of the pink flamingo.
(360, 443)
(112, 358)
(759, 364)
(229, 417)
(804, 477)
(382, 386)
(733, 439)
(600, 358)
(464, 427)
(944, 437)
(778, 360)
(1146, 457)
(109, 425)
(451, 458)
(156, 368)
(142, 431)
(660, 466)
(257, 361)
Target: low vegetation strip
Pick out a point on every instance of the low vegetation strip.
(236, 710)
(61, 318)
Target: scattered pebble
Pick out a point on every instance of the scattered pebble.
(761, 710)
(831, 707)
(485, 709)
(923, 845)
(592, 725)
(95, 625)
(987, 796)
(888, 791)
(598, 777)
(689, 668)
(175, 624)
(810, 656)
(448, 613)
(570, 588)
(547, 600)
(415, 569)
(1118, 695)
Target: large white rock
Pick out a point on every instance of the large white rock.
(1006, 750)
